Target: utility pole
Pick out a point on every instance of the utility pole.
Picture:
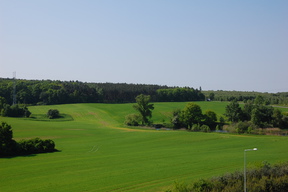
(14, 88)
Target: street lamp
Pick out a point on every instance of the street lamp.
(254, 149)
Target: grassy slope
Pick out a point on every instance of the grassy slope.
(99, 154)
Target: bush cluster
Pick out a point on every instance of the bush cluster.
(192, 118)
(14, 111)
(132, 119)
(9, 147)
(36, 145)
(241, 127)
(255, 115)
(53, 113)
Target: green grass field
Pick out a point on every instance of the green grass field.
(99, 153)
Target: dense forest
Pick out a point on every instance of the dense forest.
(62, 92)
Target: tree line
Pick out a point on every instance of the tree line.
(244, 120)
(280, 98)
(64, 92)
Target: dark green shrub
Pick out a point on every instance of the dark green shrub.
(14, 111)
(36, 145)
(53, 113)
(210, 119)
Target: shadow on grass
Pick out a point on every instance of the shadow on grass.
(27, 155)
(43, 117)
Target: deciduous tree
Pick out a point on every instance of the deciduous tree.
(262, 115)
(144, 108)
(192, 114)
(233, 111)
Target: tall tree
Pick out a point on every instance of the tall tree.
(233, 111)
(7, 144)
(192, 114)
(262, 116)
(144, 107)
(247, 110)
(277, 118)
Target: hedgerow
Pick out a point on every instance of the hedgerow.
(9, 147)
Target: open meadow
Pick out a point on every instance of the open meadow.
(99, 153)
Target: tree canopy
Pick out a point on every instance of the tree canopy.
(53, 113)
(144, 108)
(233, 111)
(192, 114)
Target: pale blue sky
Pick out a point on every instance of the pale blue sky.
(216, 44)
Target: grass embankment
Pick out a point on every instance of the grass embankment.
(98, 153)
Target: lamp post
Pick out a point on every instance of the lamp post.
(254, 149)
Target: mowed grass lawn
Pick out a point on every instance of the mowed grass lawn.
(99, 153)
